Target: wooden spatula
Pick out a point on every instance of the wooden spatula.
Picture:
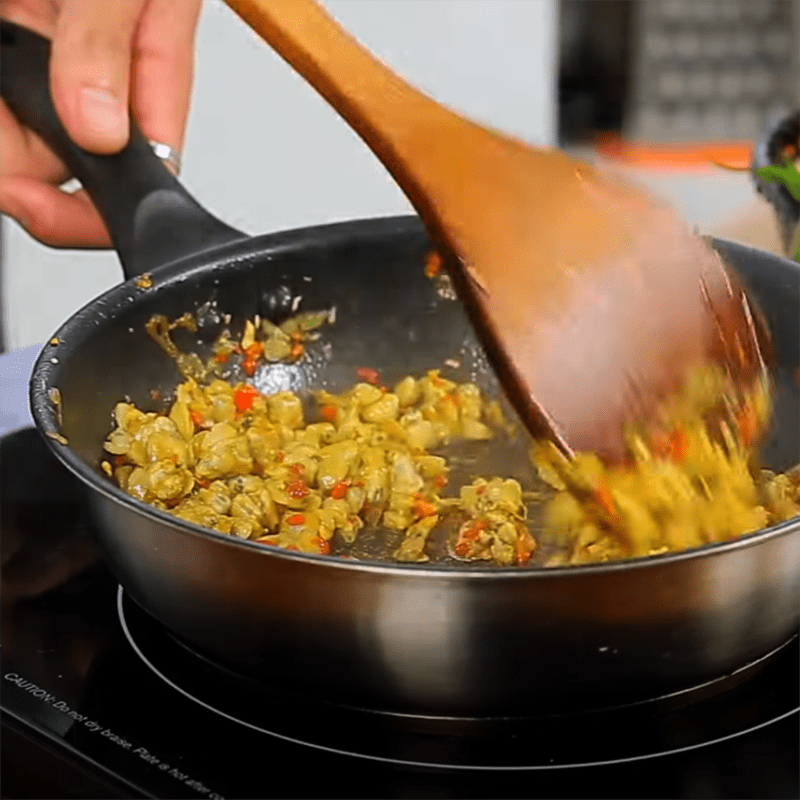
(591, 298)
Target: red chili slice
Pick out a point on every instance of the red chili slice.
(339, 490)
(323, 544)
(525, 546)
(368, 375)
(433, 264)
(297, 489)
(604, 498)
(252, 354)
(424, 508)
(243, 398)
(678, 444)
(747, 424)
(328, 413)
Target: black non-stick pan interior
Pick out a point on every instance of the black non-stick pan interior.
(389, 316)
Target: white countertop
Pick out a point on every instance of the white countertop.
(15, 374)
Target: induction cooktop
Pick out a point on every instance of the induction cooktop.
(99, 700)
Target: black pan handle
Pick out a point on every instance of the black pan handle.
(151, 218)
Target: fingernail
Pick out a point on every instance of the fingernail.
(103, 112)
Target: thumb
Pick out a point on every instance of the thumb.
(90, 70)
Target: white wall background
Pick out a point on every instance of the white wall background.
(265, 152)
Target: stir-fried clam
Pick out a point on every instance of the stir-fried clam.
(232, 459)
(682, 487)
(229, 458)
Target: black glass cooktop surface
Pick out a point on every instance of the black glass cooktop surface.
(98, 700)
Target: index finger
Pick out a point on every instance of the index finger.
(163, 65)
(90, 70)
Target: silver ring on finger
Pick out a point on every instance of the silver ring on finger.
(168, 154)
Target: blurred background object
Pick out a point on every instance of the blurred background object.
(595, 48)
(688, 72)
(780, 141)
(712, 70)
(660, 91)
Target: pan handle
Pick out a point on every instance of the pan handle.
(151, 218)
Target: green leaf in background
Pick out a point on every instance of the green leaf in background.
(786, 174)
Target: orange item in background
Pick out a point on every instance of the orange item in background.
(679, 157)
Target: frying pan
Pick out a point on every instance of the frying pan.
(406, 639)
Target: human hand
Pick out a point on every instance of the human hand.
(108, 56)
